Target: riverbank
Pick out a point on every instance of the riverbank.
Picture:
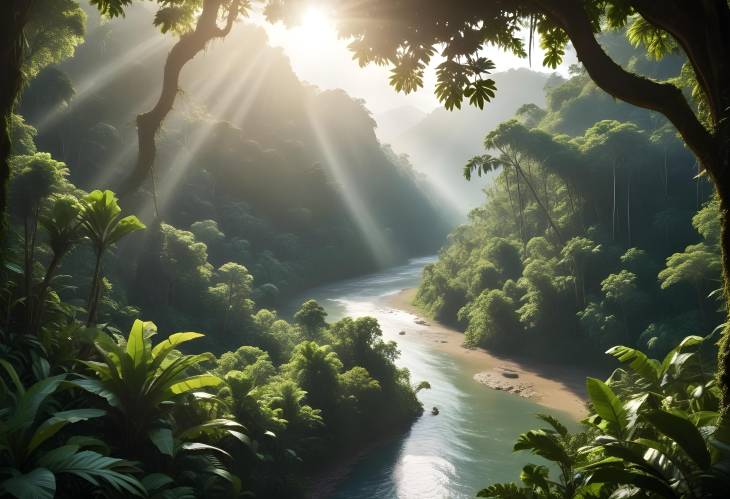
(556, 386)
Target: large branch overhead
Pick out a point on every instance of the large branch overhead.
(699, 28)
(187, 47)
(664, 98)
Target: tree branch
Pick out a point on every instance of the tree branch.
(664, 98)
(186, 48)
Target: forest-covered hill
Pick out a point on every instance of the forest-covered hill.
(261, 168)
(594, 233)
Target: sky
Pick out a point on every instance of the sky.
(320, 58)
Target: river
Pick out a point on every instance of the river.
(449, 456)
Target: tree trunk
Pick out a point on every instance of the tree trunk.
(149, 123)
(628, 208)
(613, 209)
(12, 21)
(94, 294)
(722, 184)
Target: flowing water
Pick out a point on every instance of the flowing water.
(449, 456)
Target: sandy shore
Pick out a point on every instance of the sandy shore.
(556, 386)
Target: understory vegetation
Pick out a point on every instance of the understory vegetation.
(654, 431)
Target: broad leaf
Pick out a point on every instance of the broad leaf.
(195, 383)
(684, 433)
(36, 484)
(638, 361)
(606, 404)
(162, 438)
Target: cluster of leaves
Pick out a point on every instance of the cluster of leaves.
(654, 431)
(575, 245)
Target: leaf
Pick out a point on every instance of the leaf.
(156, 481)
(37, 484)
(534, 475)
(210, 426)
(557, 425)
(54, 424)
(14, 268)
(28, 405)
(162, 438)
(199, 447)
(165, 346)
(618, 475)
(98, 387)
(684, 433)
(543, 444)
(195, 382)
(606, 404)
(136, 343)
(503, 491)
(641, 364)
(93, 467)
(13, 375)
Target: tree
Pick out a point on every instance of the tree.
(100, 219)
(233, 291)
(33, 34)
(315, 368)
(33, 179)
(311, 316)
(196, 24)
(461, 28)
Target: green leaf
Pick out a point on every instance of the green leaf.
(684, 433)
(606, 404)
(557, 425)
(93, 467)
(53, 425)
(36, 484)
(156, 481)
(166, 346)
(534, 475)
(641, 364)
(28, 405)
(162, 438)
(13, 375)
(543, 444)
(98, 387)
(618, 475)
(195, 382)
(503, 491)
(136, 343)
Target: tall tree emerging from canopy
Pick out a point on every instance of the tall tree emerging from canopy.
(405, 34)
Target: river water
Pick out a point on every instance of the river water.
(449, 456)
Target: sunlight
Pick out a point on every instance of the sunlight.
(316, 21)
(242, 96)
(104, 75)
(374, 236)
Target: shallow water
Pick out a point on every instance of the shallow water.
(452, 455)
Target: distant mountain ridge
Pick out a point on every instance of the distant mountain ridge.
(443, 141)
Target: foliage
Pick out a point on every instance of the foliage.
(653, 430)
(582, 237)
(33, 458)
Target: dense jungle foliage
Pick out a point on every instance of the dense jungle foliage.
(88, 410)
(593, 234)
(275, 183)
